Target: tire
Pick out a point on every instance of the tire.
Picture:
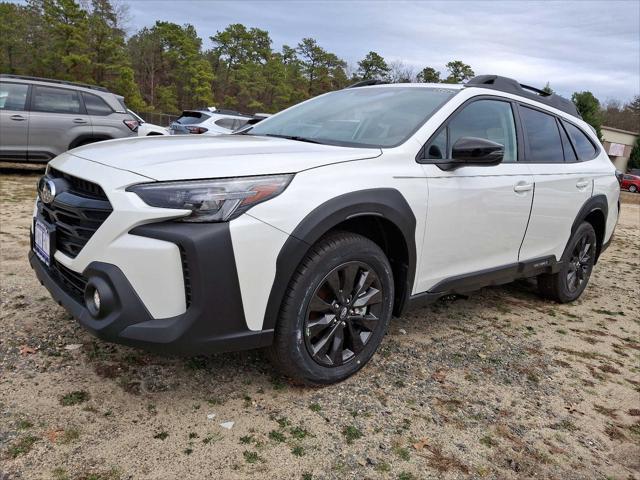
(633, 188)
(577, 263)
(314, 307)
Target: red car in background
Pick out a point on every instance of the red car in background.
(631, 183)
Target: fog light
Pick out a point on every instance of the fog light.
(99, 298)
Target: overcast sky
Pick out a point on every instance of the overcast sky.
(583, 45)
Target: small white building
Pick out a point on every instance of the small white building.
(618, 144)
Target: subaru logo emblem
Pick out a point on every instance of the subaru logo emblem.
(47, 190)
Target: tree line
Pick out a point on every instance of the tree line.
(165, 68)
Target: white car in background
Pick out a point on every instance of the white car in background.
(209, 121)
(145, 128)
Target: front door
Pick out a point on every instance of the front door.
(476, 215)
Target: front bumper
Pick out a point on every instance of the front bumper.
(214, 320)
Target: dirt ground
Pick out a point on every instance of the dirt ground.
(499, 385)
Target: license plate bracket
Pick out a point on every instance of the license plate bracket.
(44, 240)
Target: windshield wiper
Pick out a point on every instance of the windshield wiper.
(292, 137)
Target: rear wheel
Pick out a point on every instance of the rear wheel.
(577, 263)
(633, 188)
(336, 310)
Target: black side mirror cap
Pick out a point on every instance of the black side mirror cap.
(474, 151)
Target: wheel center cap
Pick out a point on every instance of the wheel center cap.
(343, 313)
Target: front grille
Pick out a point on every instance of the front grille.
(80, 186)
(71, 282)
(77, 212)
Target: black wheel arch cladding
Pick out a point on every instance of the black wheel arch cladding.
(386, 204)
(594, 211)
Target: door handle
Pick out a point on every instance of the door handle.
(79, 120)
(582, 184)
(17, 118)
(522, 187)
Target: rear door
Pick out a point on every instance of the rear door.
(58, 118)
(562, 182)
(476, 215)
(14, 121)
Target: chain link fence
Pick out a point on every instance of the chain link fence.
(162, 119)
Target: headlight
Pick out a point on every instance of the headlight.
(216, 200)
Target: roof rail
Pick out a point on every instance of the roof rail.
(509, 85)
(50, 80)
(366, 83)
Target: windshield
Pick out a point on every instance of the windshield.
(358, 117)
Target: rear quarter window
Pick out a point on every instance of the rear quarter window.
(192, 118)
(95, 105)
(584, 148)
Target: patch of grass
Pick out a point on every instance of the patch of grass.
(247, 401)
(406, 476)
(277, 436)
(211, 438)
(192, 435)
(60, 473)
(251, 457)
(283, 422)
(278, 383)
(298, 451)
(635, 429)
(565, 424)
(188, 451)
(22, 446)
(307, 476)
(74, 398)
(607, 412)
(315, 407)
(614, 433)
(298, 432)
(488, 441)
(402, 452)
(196, 363)
(247, 439)
(70, 435)
(23, 424)
(351, 433)
(161, 435)
(383, 467)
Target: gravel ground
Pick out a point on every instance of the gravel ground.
(499, 385)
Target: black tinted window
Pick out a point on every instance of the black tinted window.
(191, 118)
(95, 105)
(543, 136)
(584, 147)
(569, 152)
(226, 123)
(437, 149)
(487, 119)
(55, 100)
(13, 96)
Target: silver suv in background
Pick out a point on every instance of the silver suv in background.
(41, 118)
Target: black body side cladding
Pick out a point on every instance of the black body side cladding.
(213, 322)
(387, 203)
(470, 282)
(595, 203)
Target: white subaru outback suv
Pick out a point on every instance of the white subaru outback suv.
(307, 232)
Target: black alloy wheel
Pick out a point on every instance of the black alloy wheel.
(580, 263)
(343, 314)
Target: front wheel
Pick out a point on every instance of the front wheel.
(336, 311)
(577, 263)
(633, 188)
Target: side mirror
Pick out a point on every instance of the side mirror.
(474, 151)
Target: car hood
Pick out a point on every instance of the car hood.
(204, 156)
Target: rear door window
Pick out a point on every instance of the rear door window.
(55, 100)
(228, 123)
(584, 148)
(13, 96)
(95, 105)
(543, 136)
